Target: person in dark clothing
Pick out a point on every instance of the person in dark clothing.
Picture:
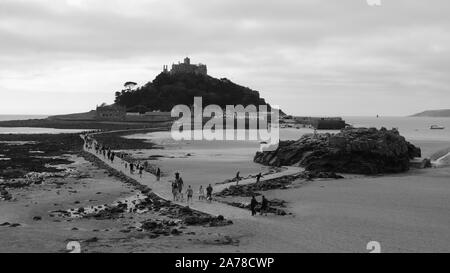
(264, 205)
(175, 190)
(238, 177)
(180, 183)
(209, 191)
(158, 174)
(131, 168)
(141, 169)
(258, 177)
(112, 157)
(189, 193)
(253, 204)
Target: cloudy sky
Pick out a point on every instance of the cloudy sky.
(310, 57)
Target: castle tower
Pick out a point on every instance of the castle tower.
(186, 67)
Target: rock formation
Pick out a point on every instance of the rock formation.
(357, 151)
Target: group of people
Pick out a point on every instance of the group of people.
(178, 183)
(135, 167)
(178, 194)
(201, 193)
(239, 178)
(264, 205)
(140, 167)
(106, 152)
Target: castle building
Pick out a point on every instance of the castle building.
(186, 67)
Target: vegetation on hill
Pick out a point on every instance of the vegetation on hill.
(434, 113)
(168, 90)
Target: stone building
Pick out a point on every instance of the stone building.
(111, 112)
(322, 123)
(186, 67)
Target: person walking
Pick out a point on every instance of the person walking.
(238, 177)
(264, 206)
(180, 183)
(209, 191)
(253, 204)
(189, 193)
(141, 169)
(158, 174)
(201, 193)
(258, 177)
(174, 191)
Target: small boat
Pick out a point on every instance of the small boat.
(437, 127)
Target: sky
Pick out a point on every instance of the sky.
(310, 57)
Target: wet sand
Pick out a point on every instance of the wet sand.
(51, 234)
(405, 213)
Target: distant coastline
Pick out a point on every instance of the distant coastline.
(21, 117)
(443, 113)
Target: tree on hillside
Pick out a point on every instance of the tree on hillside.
(129, 85)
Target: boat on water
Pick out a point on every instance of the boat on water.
(437, 127)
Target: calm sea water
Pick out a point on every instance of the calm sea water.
(412, 128)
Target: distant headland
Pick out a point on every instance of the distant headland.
(443, 113)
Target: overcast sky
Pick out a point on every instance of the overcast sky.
(310, 57)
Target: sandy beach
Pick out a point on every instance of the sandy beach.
(27, 224)
(405, 213)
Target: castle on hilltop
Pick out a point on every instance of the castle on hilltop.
(186, 67)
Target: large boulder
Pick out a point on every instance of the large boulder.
(357, 151)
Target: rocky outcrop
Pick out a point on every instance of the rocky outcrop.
(357, 151)
(4, 194)
(276, 206)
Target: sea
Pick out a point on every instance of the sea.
(21, 117)
(412, 128)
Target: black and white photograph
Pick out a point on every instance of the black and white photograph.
(225, 127)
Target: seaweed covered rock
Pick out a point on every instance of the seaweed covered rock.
(353, 150)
